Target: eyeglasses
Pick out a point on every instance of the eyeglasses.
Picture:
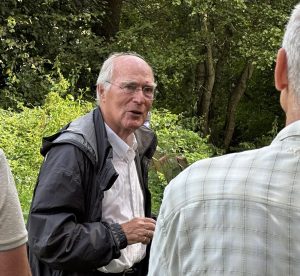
(131, 88)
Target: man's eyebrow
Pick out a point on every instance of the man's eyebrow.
(130, 82)
(137, 83)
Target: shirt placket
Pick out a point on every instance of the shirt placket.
(132, 184)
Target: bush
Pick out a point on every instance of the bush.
(175, 139)
(21, 137)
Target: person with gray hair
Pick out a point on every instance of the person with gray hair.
(91, 209)
(239, 214)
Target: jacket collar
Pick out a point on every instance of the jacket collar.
(89, 134)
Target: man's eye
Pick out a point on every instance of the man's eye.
(148, 89)
(130, 87)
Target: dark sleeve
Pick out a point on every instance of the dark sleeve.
(59, 232)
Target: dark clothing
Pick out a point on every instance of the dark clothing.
(66, 234)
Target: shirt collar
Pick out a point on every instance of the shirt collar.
(124, 150)
(292, 129)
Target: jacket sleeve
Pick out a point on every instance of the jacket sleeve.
(60, 234)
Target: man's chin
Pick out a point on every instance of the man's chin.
(134, 124)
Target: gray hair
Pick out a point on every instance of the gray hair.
(107, 68)
(291, 44)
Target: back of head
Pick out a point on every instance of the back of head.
(291, 44)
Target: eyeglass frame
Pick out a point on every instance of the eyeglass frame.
(136, 89)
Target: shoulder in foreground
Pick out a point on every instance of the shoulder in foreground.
(200, 167)
(188, 186)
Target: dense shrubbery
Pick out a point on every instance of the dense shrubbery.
(175, 139)
(21, 136)
(177, 147)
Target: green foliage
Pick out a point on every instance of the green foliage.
(175, 141)
(171, 50)
(64, 40)
(237, 31)
(157, 184)
(38, 44)
(255, 119)
(22, 132)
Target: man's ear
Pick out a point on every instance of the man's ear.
(281, 79)
(100, 91)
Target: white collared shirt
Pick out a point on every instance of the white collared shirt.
(238, 214)
(124, 200)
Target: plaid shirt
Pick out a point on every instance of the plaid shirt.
(238, 214)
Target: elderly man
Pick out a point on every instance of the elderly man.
(239, 214)
(90, 213)
(13, 234)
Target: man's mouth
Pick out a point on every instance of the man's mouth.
(136, 112)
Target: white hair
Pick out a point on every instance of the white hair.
(291, 44)
(106, 71)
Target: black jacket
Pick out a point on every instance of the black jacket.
(65, 233)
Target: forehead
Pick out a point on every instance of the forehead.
(131, 68)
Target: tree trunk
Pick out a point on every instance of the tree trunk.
(198, 83)
(213, 110)
(208, 88)
(223, 54)
(109, 27)
(234, 99)
(205, 92)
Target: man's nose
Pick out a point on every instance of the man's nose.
(139, 95)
